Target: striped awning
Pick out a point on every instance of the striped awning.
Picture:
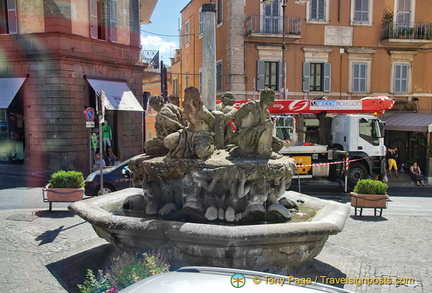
(414, 122)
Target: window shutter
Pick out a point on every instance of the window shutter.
(365, 12)
(260, 75)
(359, 78)
(93, 19)
(113, 21)
(12, 17)
(313, 9)
(280, 81)
(219, 11)
(306, 76)
(327, 77)
(401, 78)
(219, 76)
(200, 14)
(321, 9)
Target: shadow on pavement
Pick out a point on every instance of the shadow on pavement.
(72, 271)
(54, 214)
(317, 270)
(369, 218)
(50, 235)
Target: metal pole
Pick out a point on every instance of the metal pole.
(284, 3)
(346, 165)
(101, 113)
(90, 150)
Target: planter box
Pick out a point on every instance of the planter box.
(374, 201)
(61, 195)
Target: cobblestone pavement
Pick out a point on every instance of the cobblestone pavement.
(391, 248)
(47, 252)
(51, 252)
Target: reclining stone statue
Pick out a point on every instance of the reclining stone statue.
(168, 120)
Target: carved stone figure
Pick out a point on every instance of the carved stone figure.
(254, 136)
(228, 110)
(168, 120)
(196, 140)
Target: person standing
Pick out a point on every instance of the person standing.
(392, 155)
(106, 135)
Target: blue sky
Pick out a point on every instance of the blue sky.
(162, 33)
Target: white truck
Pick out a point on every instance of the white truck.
(350, 141)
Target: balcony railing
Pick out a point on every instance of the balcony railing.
(272, 25)
(414, 31)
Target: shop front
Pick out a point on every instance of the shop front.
(11, 120)
(113, 96)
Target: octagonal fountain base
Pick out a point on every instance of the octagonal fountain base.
(275, 248)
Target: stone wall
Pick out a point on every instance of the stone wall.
(56, 93)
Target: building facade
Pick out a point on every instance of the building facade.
(55, 56)
(333, 49)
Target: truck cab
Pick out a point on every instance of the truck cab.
(357, 137)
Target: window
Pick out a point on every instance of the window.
(187, 32)
(369, 130)
(401, 78)
(359, 77)
(361, 11)
(317, 10)
(219, 15)
(403, 15)
(316, 76)
(219, 76)
(271, 18)
(175, 87)
(103, 20)
(269, 75)
(8, 17)
(200, 16)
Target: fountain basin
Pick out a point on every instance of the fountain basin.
(275, 248)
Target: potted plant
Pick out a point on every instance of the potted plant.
(387, 21)
(369, 193)
(65, 186)
(429, 32)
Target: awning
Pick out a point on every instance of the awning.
(409, 122)
(9, 87)
(118, 96)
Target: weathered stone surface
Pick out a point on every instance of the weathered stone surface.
(242, 188)
(275, 248)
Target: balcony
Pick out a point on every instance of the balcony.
(407, 35)
(271, 26)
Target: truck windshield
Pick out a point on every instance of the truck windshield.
(370, 130)
(284, 127)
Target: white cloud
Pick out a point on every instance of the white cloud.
(166, 48)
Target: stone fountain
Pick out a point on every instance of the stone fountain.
(214, 193)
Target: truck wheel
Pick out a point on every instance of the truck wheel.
(357, 171)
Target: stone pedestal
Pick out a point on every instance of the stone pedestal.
(220, 189)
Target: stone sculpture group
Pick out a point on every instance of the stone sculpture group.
(186, 177)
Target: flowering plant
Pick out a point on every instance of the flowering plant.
(125, 270)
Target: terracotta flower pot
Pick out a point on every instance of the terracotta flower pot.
(375, 201)
(64, 194)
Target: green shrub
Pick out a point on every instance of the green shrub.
(125, 270)
(369, 186)
(67, 179)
